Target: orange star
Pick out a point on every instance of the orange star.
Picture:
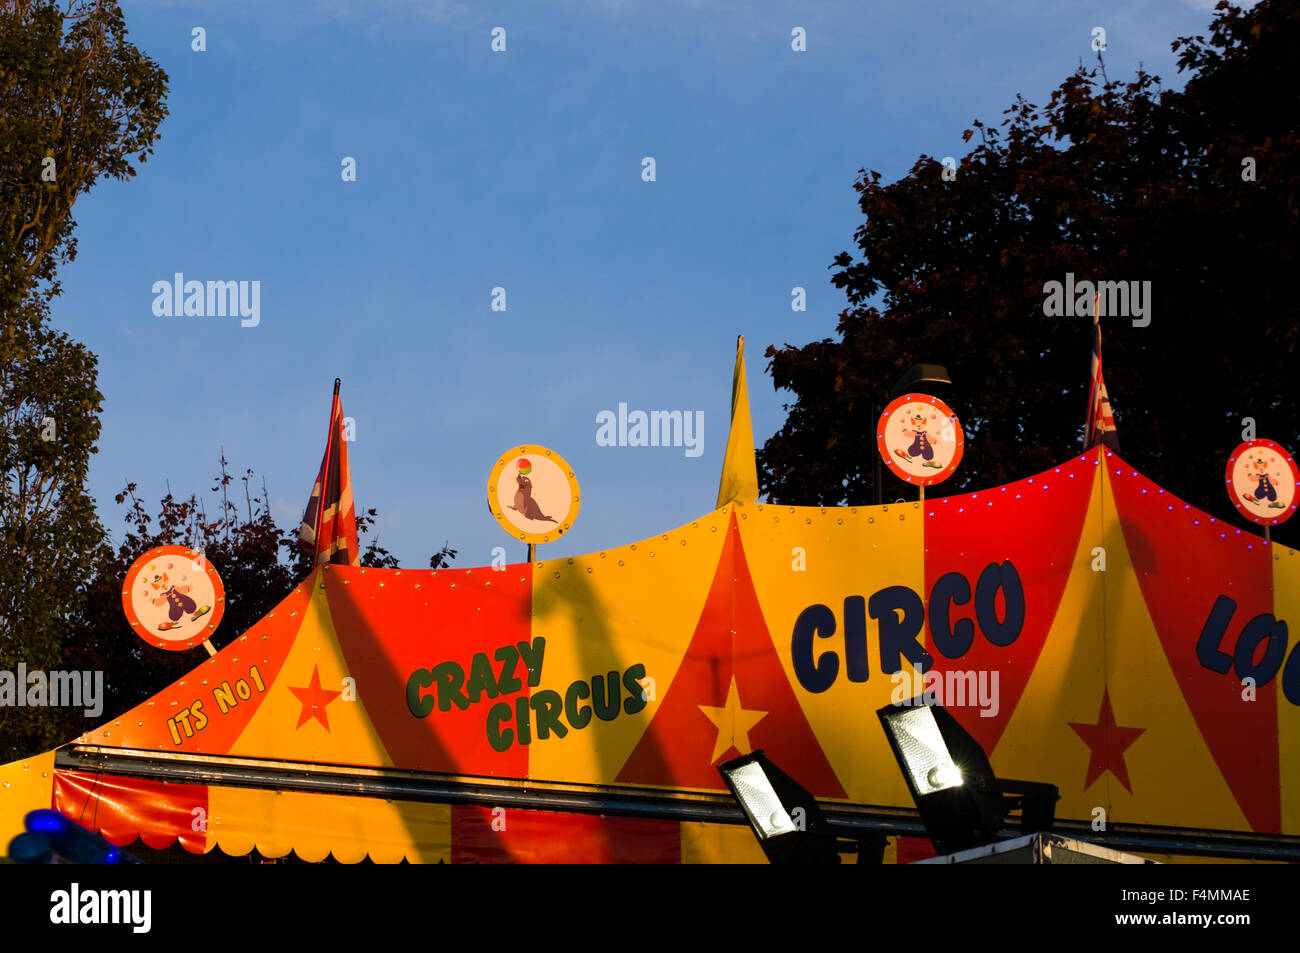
(314, 699)
(1107, 742)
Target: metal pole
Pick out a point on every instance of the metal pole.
(875, 473)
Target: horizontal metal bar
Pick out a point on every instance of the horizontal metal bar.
(1241, 845)
(400, 785)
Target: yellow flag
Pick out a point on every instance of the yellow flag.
(739, 482)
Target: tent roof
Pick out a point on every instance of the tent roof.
(639, 668)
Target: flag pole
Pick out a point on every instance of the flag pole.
(325, 472)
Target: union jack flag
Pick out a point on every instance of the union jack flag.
(1101, 422)
(329, 525)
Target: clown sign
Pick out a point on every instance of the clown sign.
(1261, 479)
(173, 598)
(920, 439)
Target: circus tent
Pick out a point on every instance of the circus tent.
(1104, 636)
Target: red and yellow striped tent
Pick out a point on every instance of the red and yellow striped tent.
(1130, 649)
(1088, 628)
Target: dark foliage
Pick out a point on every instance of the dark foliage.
(1110, 181)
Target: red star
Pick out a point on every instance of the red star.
(314, 699)
(1108, 742)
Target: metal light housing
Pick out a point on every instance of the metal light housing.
(961, 802)
(783, 815)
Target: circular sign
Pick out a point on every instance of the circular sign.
(1262, 479)
(533, 494)
(173, 598)
(920, 439)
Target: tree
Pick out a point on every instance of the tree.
(49, 422)
(77, 102)
(1110, 181)
(259, 562)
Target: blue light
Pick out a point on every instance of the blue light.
(46, 820)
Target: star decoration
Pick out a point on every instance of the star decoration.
(1107, 742)
(314, 699)
(733, 723)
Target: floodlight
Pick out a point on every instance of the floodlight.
(920, 377)
(760, 801)
(962, 803)
(786, 818)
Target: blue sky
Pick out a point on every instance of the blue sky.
(522, 170)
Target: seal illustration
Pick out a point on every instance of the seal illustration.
(524, 502)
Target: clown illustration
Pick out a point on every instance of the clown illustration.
(920, 439)
(178, 602)
(1262, 479)
(1265, 490)
(165, 594)
(921, 446)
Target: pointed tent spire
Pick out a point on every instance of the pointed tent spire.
(739, 482)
